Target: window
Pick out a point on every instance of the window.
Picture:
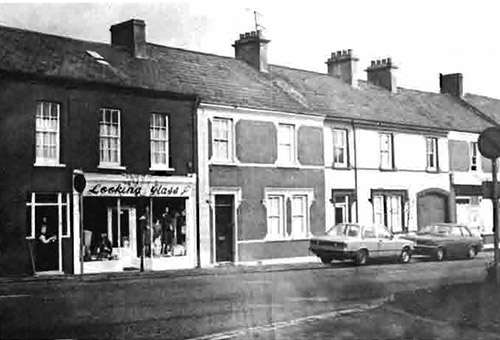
(299, 216)
(432, 155)
(474, 157)
(53, 209)
(386, 151)
(286, 143)
(222, 142)
(388, 211)
(275, 217)
(158, 130)
(288, 213)
(341, 207)
(340, 148)
(109, 135)
(455, 231)
(47, 133)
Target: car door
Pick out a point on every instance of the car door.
(386, 245)
(370, 241)
(455, 242)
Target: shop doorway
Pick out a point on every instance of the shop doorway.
(122, 231)
(224, 228)
(48, 252)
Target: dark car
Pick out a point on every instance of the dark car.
(443, 240)
(351, 241)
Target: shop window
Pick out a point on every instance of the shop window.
(222, 140)
(51, 209)
(47, 133)
(109, 138)
(386, 151)
(286, 144)
(340, 149)
(159, 137)
(432, 154)
(388, 210)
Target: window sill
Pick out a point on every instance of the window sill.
(341, 167)
(387, 169)
(223, 163)
(288, 165)
(49, 165)
(111, 167)
(162, 169)
(432, 171)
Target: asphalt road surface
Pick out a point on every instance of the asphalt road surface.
(209, 307)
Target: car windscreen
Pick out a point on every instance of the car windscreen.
(434, 230)
(344, 230)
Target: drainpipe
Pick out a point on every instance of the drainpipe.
(355, 169)
(196, 171)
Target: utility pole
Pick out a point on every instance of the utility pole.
(494, 169)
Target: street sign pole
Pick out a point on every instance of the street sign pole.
(494, 169)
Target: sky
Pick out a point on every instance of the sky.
(423, 38)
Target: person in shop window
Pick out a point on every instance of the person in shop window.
(181, 231)
(146, 232)
(167, 231)
(44, 247)
(104, 249)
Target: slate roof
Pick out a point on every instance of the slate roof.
(223, 80)
(487, 105)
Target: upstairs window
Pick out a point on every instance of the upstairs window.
(474, 157)
(47, 133)
(109, 137)
(339, 148)
(222, 140)
(432, 155)
(158, 131)
(286, 144)
(386, 151)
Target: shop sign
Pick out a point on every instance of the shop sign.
(134, 189)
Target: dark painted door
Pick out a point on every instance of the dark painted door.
(224, 228)
(432, 208)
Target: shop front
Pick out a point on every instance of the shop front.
(135, 222)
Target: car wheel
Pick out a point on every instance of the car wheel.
(361, 257)
(471, 252)
(440, 252)
(405, 255)
(326, 259)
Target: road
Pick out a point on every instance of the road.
(211, 306)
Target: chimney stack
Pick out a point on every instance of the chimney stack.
(451, 84)
(382, 73)
(251, 47)
(130, 34)
(344, 65)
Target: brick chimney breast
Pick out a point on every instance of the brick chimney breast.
(130, 34)
(382, 72)
(451, 84)
(251, 47)
(344, 65)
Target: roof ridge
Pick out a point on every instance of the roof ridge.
(61, 37)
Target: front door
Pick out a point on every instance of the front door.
(48, 252)
(224, 228)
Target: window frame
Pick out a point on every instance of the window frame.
(44, 161)
(304, 215)
(292, 143)
(281, 232)
(63, 203)
(217, 139)
(166, 142)
(432, 155)
(102, 112)
(387, 216)
(389, 151)
(344, 147)
(475, 164)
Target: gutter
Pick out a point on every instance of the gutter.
(355, 169)
(196, 105)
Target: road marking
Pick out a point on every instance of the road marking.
(13, 296)
(239, 333)
(313, 299)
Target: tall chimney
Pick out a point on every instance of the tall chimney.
(132, 35)
(344, 65)
(383, 73)
(451, 84)
(251, 47)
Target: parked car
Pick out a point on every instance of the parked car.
(442, 240)
(350, 241)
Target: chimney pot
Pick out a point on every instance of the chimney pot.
(381, 72)
(343, 65)
(242, 36)
(373, 63)
(252, 48)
